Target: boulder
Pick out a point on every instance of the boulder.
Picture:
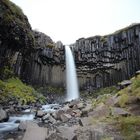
(87, 133)
(57, 114)
(101, 110)
(80, 105)
(65, 117)
(46, 117)
(77, 113)
(116, 111)
(40, 113)
(73, 103)
(52, 120)
(56, 136)
(34, 132)
(3, 115)
(125, 83)
(86, 121)
(67, 132)
(113, 100)
(88, 108)
(137, 73)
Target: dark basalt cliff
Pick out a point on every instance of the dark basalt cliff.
(106, 60)
(101, 60)
(15, 34)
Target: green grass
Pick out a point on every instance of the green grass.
(129, 126)
(107, 90)
(14, 89)
(123, 100)
(131, 91)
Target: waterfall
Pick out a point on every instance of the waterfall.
(71, 77)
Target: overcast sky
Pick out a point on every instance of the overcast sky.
(68, 20)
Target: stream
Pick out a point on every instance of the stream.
(14, 120)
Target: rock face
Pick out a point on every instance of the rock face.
(42, 66)
(101, 60)
(3, 115)
(106, 60)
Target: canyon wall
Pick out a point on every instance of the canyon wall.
(100, 60)
(106, 60)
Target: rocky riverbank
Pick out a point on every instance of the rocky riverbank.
(112, 116)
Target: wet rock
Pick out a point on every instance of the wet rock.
(3, 115)
(46, 117)
(52, 120)
(40, 114)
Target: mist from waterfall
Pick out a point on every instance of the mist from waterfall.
(71, 76)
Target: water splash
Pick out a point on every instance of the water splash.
(71, 77)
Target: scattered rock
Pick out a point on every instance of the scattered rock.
(56, 136)
(87, 133)
(86, 121)
(46, 117)
(125, 83)
(40, 113)
(57, 114)
(87, 109)
(52, 120)
(137, 73)
(67, 132)
(65, 117)
(34, 132)
(73, 103)
(80, 105)
(77, 113)
(101, 110)
(113, 100)
(24, 124)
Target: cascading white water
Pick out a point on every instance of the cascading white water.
(71, 76)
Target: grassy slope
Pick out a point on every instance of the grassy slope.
(129, 126)
(14, 89)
